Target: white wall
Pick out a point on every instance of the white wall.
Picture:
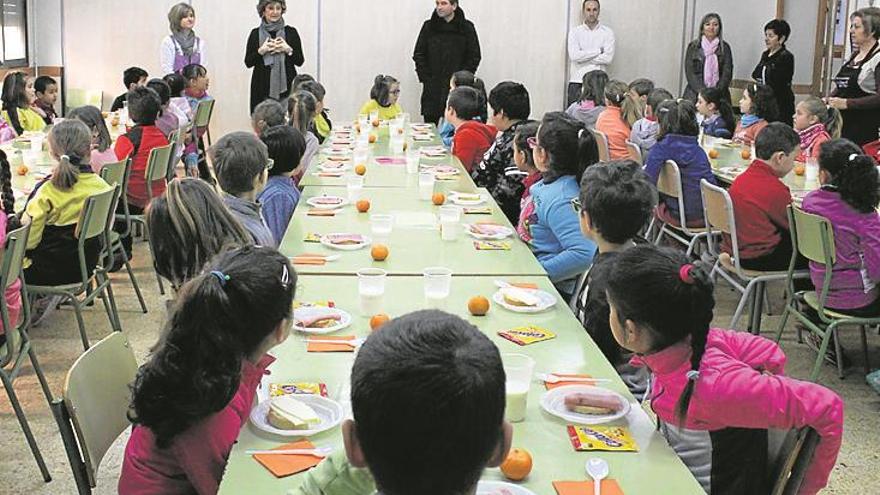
(45, 35)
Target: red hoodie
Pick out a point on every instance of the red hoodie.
(471, 141)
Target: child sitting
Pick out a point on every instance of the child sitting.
(463, 78)
(269, 113)
(592, 102)
(816, 123)
(524, 159)
(639, 90)
(240, 162)
(760, 200)
(384, 98)
(758, 107)
(321, 125)
(616, 201)
(716, 393)
(472, 138)
(718, 119)
(55, 206)
(46, 90)
(178, 103)
(677, 141)
(303, 107)
(286, 146)
(196, 390)
(18, 98)
(645, 130)
(133, 77)
(188, 226)
(102, 151)
(848, 198)
(611, 121)
(510, 109)
(167, 121)
(197, 83)
(8, 222)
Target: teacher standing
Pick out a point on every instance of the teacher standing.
(776, 68)
(274, 51)
(182, 47)
(708, 62)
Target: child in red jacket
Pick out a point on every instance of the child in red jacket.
(472, 139)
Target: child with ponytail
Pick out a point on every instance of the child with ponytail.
(715, 392)
(464, 78)
(758, 107)
(718, 118)
(612, 122)
(848, 198)
(18, 98)
(815, 123)
(8, 222)
(195, 392)
(384, 97)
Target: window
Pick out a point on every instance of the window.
(13, 18)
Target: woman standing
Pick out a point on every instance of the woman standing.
(274, 50)
(708, 61)
(182, 47)
(776, 68)
(857, 82)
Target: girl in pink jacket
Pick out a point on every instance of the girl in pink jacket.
(195, 392)
(715, 392)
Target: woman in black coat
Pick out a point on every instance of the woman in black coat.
(776, 68)
(704, 71)
(274, 50)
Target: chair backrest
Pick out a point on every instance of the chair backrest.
(789, 467)
(96, 213)
(97, 397)
(81, 97)
(13, 257)
(204, 110)
(175, 139)
(635, 152)
(114, 173)
(719, 218)
(157, 164)
(602, 145)
(669, 180)
(813, 236)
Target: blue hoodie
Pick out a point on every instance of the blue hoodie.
(694, 165)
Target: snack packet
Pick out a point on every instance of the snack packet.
(492, 245)
(604, 438)
(312, 237)
(526, 335)
(297, 388)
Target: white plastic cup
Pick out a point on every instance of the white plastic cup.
(37, 143)
(518, 369)
(397, 142)
(438, 284)
(381, 225)
(426, 185)
(354, 184)
(450, 222)
(413, 157)
(360, 156)
(371, 289)
(374, 116)
(812, 170)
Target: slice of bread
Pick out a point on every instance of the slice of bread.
(288, 413)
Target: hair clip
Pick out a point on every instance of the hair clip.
(693, 375)
(581, 133)
(852, 158)
(684, 273)
(285, 276)
(65, 157)
(221, 277)
(664, 110)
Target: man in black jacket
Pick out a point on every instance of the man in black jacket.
(447, 43)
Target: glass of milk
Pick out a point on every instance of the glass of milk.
(519, 369)
(426, 185)
(397, 142)
(361, 154)
(381, 225)
(812, 171)
(450, 222)
(438, 282)
(354, 184)
(413, 156)
(371, 289)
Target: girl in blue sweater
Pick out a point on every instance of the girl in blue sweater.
(562, 150)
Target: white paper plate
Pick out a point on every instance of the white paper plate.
(433, 151)
(334, 166)
(547, 301)
(553, 401)
(308, 312)
(314, 202)
(345, 247)
(329, 411)
(456, 199)
(501, 488)
(503, 233)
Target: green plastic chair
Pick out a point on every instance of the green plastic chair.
(81, 97)
(813, 237)
(94, 409)
(95, 221)
(202, 117)
(175, 139)
(157, 170)
(116, 174)
(788, 467)
(18, 346)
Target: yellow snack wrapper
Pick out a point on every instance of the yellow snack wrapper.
(492, 245)
(314, 304)
(312, 237)
(527, 335)
(604, 438)
(299, 388)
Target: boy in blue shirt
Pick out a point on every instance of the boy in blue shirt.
(286, 146)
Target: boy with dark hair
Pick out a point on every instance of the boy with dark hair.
(241, 163)
(46, 90)
(645, 130)
(616, 201)
(472, 138)
(132, 78)
(760, 201)
(457, 422)
(286, 146)
(496, 171)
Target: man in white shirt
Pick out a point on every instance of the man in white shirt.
(590, 47)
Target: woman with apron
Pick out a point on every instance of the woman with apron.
(182, 47)
(857, 82)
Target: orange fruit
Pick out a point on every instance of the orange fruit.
(438, 198)
(360, 169)
(373, 138)
(478, 306)
(378, 320)
(379, 252)
(405, 146)
(800, 169)
(518, 465)
(376, 123)
(746, 154)
(363, 206)
(400, 130)
(713, 153)
(22, 170)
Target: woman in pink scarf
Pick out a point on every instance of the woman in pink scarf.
(709, 60)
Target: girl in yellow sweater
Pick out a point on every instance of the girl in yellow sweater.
(383, 98)
(18, 96)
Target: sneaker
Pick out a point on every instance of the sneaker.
(815, 342)
(43, 307)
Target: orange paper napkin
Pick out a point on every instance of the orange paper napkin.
(322, 347)
(282, 465)
(314, 212)
(551, 386)
(609, 487)
(309, 259)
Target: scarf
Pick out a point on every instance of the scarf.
(749, 120)
(710, 68)
(277, 61)
(809, 135)
(186, 40)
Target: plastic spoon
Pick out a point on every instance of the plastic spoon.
(317, 452)
(598, 470)
(553, 378)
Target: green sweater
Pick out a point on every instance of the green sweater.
(335, 476)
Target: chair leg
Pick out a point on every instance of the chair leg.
(757, 308)
(742, 303)
(823, 348)
(864, 330)
(81, 324)
(112, 312)
(38, 370)
(161, 285)
(25, 427)
(137, 289)
(838, 352)
(783, 321)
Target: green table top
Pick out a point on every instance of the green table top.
(730, 164)
(654, 469)
(413, 244)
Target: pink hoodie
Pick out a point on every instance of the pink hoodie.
(740, 390)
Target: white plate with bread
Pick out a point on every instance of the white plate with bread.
(524, 300)
(501, 488)
(488, 231)
(320, 320)
(585, 404)
(297, 416)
